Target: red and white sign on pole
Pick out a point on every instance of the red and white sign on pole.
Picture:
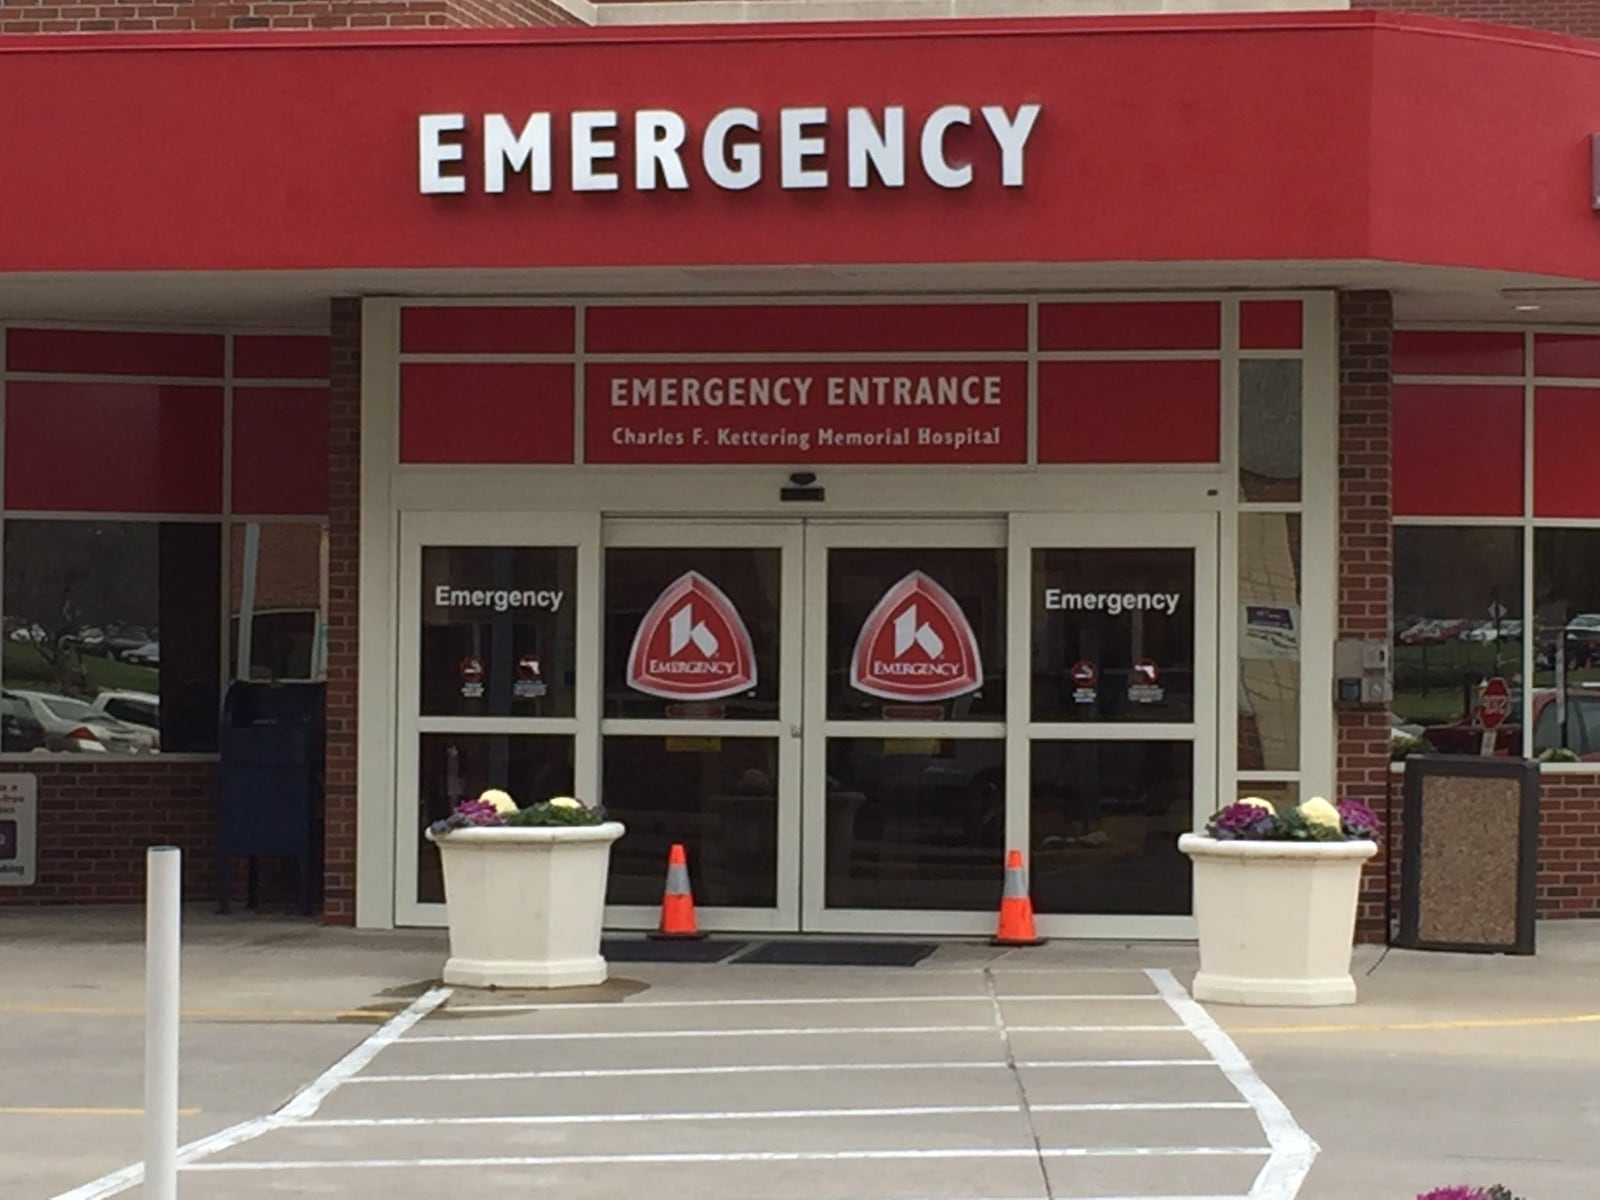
(916, 645)
(692, 644)
(1493, 708)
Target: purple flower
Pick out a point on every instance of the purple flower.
(1459, 1192)
(1242, 822)
(1359, 821)
(478, 812)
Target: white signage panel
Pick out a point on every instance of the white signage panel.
(19, 807)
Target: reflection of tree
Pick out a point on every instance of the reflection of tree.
(64, 577)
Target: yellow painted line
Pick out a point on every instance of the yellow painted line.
(46, 1111)
(234, 1014)
(1426, 1026)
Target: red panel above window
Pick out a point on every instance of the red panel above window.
(1130, 412)
(486, 413)
(470, 329)
(1457, 450)
(113, 447)
(1452, 352)
(1135, 325)
(280, 450)
(97, 352)
(1270, 324)
(281, 356)
(799, 328)
(1566, 356)
(1565, 482)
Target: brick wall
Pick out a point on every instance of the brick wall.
(1569, 847)
(1366, 343)
(1578, 17)
(96, 819)
(344, 565)
(62, 16)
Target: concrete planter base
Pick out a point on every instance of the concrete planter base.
(525, 905)
(1277, 920)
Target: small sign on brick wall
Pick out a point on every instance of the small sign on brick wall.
(19, 805)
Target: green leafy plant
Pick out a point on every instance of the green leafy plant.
(495, 808)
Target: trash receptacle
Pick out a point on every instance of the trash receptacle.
(271, 784)
(1470, 862)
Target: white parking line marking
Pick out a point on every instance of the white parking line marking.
(817, 1031)
(304, 1103)
(1145, 1106)
(1068, 1064)
(774, 1068)
(747, 1069)
(767, 1002)
(1293, 1151)
(752, 1156)
(658, 1034)
(793, 1114)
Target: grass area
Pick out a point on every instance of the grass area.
(22, 666)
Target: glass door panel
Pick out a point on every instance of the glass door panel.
(702, 677)
(498, 674)
(1119, 750)
(905, 726)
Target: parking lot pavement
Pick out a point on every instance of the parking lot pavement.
(859, 1084)
(1062, 1071)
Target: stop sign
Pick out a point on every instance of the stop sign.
(1496, 703)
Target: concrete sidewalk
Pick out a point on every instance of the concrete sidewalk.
(1453, 1068)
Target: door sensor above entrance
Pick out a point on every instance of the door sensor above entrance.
(802, 486)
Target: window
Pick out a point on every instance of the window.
(112, 635)
(1566, 643)
(278, 596)
(1458, 624)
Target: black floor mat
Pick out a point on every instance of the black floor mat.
(840, 954)
(688, 950)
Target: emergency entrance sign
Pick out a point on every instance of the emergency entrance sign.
(692, 644)
(19, 805)
(916, 645)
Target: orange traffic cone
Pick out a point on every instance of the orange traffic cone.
(677, 900)
(1016, 910)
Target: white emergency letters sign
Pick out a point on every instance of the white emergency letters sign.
(19, 806)
(733, 151)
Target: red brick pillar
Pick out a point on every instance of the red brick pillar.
(1366, 343)
(344, 567)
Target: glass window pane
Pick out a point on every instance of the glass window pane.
(693, 632)
(1269, 430)
(1269, 641)
(86, 606)
(1566, 648)
(1283, 795)
(916, 634)
(456, 766)
(499, 630)
(1105, 820)
(286, 587)
(718, 796)
(1458, 624)
(1113, 635)
(914, 823)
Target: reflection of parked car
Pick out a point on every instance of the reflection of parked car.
(71, 724)
(20, 730)
(1582, 733)
(147, 655)
(136, 708)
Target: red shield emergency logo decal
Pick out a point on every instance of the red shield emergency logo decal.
(916, 645)
(692, 644)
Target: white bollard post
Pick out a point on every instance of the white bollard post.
(162, 942)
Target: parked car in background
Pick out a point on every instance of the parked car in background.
(71, 724)
(136, 708)
(20, 730)
(1465, 736)
(147, 655)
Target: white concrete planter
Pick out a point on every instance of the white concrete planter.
(525, 905)
(1277, 919)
